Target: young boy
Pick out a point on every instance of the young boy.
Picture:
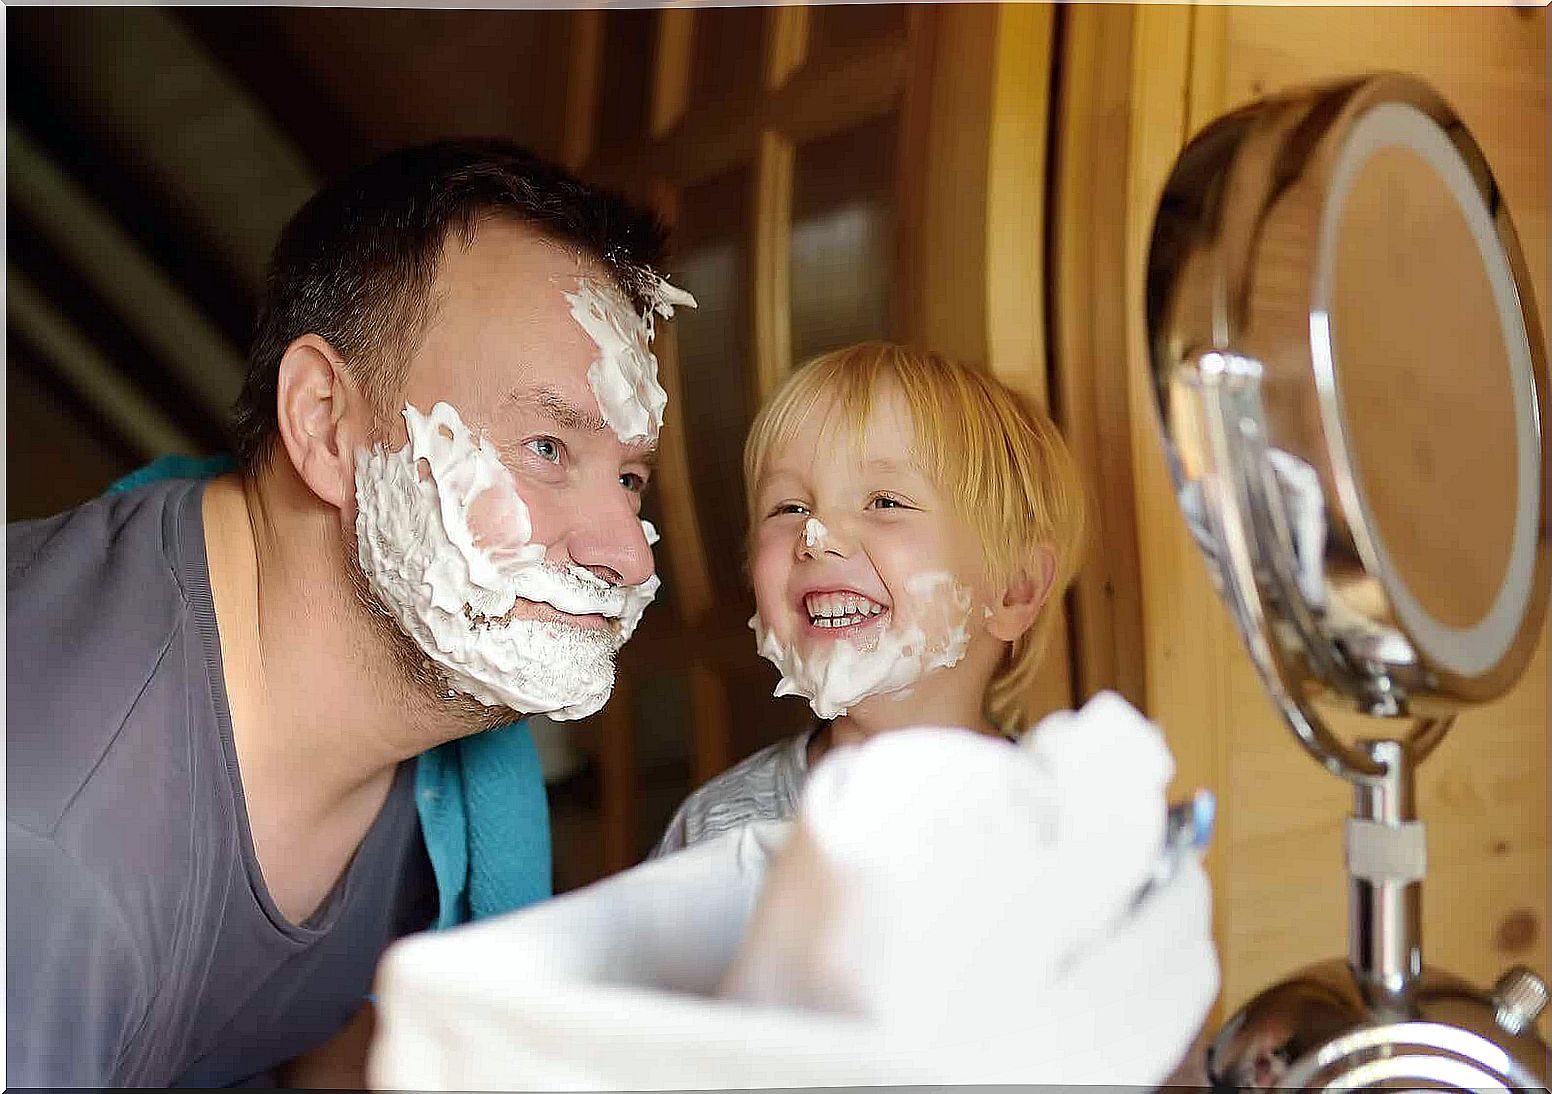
(910, 519)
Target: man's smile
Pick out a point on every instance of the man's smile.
(546, 613)
(540, 612)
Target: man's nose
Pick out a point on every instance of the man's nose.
(608, 539)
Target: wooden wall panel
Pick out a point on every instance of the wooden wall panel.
(973, 276)
(1088, 323)
(1187, 642)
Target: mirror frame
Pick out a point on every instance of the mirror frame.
(1239, 266)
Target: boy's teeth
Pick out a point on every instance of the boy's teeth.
(839, 609)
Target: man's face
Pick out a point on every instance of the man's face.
(504, 351)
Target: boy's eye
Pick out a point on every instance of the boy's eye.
(546, 448)
(884, 501)
(787, 507)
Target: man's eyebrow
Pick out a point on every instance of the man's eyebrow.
(552, 405)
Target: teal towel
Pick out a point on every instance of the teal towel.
(486, 820)
(483, 808)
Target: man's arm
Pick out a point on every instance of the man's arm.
(76, 987)
(340, 1064)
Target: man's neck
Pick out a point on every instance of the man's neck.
(318, 734)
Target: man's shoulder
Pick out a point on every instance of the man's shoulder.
(93, 530)
(92, 608)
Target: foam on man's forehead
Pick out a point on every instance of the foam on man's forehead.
(623, 375)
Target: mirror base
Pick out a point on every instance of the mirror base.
(1321, 1030)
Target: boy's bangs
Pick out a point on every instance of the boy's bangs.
(842, 384)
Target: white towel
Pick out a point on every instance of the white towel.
(949, 909)
(971, 898)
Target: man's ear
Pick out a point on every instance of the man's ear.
(1024, 596)
(319, 412)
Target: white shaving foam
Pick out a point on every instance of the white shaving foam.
(839, 674)
(665, 298)
(815, 534)
(448, 589)
(650, 531)
(624, 377)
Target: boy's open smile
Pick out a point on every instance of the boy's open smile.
(841, 613)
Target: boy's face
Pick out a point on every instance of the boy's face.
(847, 550)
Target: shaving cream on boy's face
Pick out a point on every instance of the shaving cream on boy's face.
(925, 630)
(445, 545)
(865, 578)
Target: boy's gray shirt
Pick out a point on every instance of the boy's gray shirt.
(142, 947)
(766, 786)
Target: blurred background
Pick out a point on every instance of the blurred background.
(976, 178)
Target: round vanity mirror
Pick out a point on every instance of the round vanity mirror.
(1352, 382)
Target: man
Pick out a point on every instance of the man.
(216, 690)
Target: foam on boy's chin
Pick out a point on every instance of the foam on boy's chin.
(838, 675)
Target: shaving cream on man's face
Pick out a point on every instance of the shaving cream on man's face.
(624, 375)
(445, 543)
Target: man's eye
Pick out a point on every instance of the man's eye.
(546, 448)
(633, 482)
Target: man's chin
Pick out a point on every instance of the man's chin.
(489, 717)
(587, 644)
(587, 660)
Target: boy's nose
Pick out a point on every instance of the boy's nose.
(817, 538)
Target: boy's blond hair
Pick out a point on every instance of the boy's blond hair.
(994, 452)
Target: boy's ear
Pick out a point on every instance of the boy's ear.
(1024, 596)
(320, 414)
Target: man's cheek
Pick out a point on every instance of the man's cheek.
(501, 521)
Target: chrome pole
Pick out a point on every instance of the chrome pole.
(1386, 861)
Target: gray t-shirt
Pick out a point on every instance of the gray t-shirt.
(765, 787)
(142, 947)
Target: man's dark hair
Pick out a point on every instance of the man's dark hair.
(356, 264)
